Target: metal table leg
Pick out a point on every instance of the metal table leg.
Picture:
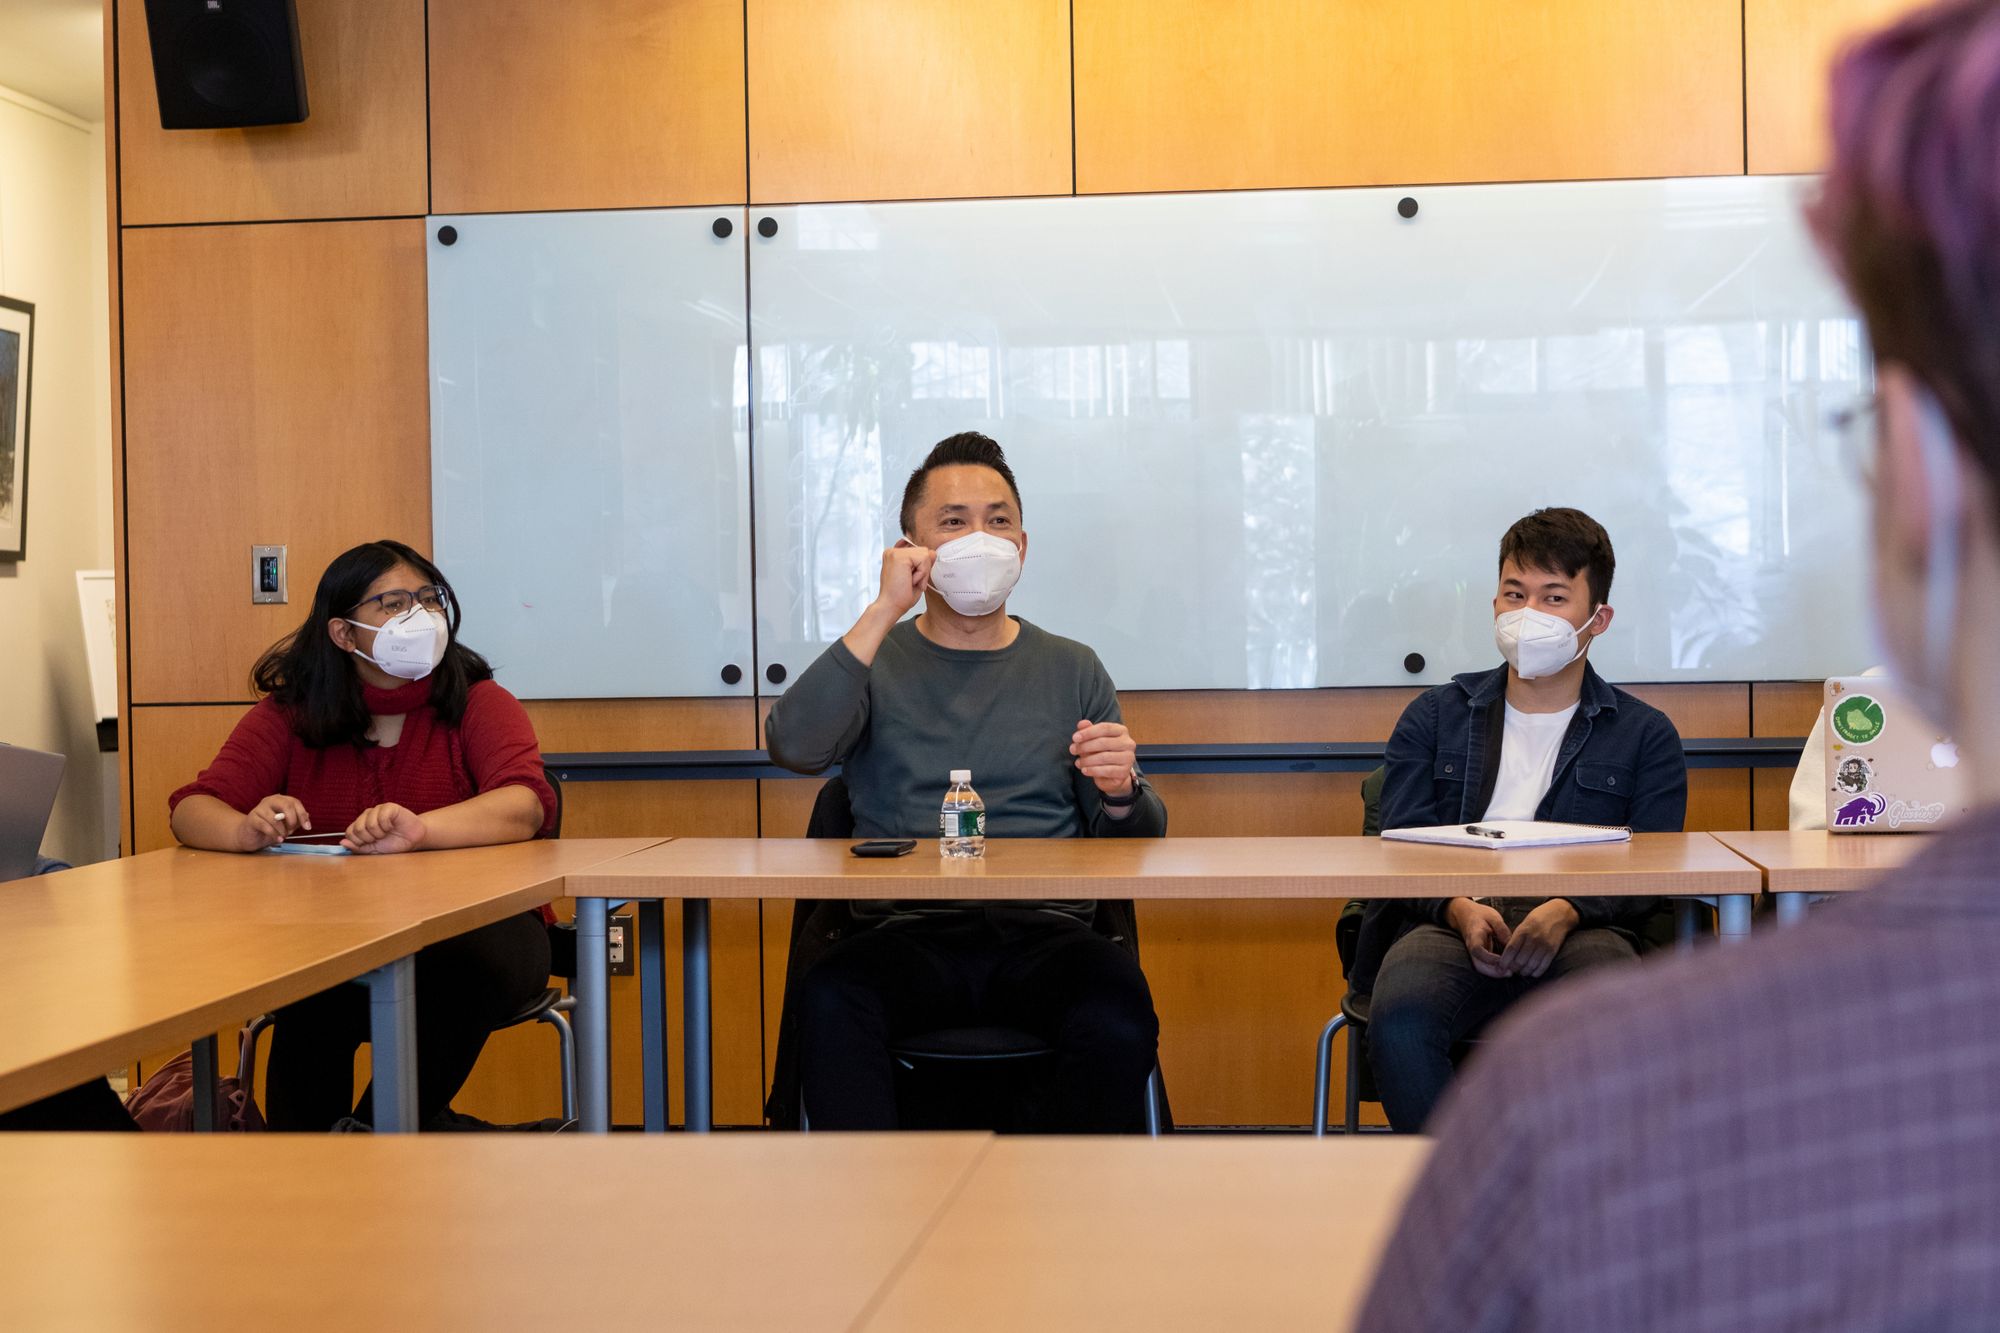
(653, 1010)
(1732, 917)
(392, 1039)
(694, 1005)
(593, 1018)
(1791, 907)
(207, 1115)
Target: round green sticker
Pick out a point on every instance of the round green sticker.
(1857, 719)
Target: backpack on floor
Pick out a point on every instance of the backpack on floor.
(166, 1102)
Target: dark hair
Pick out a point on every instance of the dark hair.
(1910, 210)
(1563, 540)
(310, 676)
(967, 447)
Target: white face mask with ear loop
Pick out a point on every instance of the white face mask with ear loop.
(1535, 643)
(975, 574)
(1925, 674)
(409, 646)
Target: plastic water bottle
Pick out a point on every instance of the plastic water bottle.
(962, 823)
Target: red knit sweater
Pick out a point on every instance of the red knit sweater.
(430, 766)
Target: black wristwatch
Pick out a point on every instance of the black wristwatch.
(1125, 802)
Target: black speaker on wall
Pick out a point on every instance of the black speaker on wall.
(221, 64)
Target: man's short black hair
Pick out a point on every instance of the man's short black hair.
(967, 447)
(1565, 541)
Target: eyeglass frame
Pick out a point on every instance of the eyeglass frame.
(436, 591)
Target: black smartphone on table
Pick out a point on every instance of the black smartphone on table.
(884, 847)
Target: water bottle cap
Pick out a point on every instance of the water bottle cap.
(959, 775)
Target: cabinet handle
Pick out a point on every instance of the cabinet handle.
(731, 674)
(447, 235)
(1406, 207)
(1414, 664)
(767, 227)
(722, 228)
(775, 673)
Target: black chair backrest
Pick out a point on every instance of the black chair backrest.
(832, 813)
(1347, 927)
(555, 785)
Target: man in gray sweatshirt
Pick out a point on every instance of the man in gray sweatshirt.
(901, 703)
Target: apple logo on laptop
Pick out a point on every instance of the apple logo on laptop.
(1944, 754)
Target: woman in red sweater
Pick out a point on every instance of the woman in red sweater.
(376, 722)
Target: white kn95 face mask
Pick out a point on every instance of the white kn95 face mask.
(975, 574)
(1535, 643)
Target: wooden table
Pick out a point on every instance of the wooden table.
(1799, 865)
(113, 959)
(791, 1233)
(1194, 1232)
(697, 870)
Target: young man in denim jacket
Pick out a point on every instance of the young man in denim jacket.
(1542, 737)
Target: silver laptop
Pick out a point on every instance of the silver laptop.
(1888, 768)
(28, 783)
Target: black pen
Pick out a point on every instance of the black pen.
(1477, 831)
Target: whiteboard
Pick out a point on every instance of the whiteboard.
(1272, 439)
(590, 479)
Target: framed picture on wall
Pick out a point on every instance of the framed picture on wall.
(17, 360)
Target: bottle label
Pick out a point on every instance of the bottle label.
(962, 824)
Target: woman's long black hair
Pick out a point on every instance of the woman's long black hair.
(313, 679)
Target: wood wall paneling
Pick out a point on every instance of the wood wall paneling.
(1719, 799)
(1194, 95)
(1790, 46)
(276, 391)
(169, 747)
(360, 152)
(1780, 708)
(589, 104)
(909, 99)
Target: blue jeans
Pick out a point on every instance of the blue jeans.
(1428, 998)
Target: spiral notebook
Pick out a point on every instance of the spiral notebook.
(1497, 835)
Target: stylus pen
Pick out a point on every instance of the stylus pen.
(1485, 832)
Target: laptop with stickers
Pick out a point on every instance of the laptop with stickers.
(1888, 768)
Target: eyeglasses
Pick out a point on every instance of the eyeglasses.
(1857, 428)
(396, 601)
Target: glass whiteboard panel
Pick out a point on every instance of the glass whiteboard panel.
(590, 485)
(1271, 440)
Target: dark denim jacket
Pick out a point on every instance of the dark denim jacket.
(1621, 762)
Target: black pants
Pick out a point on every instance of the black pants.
(1048, 975)
(91, 1105)
(466, 986)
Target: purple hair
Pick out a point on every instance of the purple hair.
(1910, 210)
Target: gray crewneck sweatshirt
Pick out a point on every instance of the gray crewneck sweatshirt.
(899, 727)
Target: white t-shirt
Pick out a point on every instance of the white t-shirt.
(1527, 762)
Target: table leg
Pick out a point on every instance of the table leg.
(1685, 914)
(653, 1010)
(694, 1006)
(593, 1018)
(1791, 907)
(1732, 917)
(207, 1116)
(392, 1042)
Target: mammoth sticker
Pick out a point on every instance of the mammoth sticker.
(1857, 719)
(1867, 811)
(1854, 776)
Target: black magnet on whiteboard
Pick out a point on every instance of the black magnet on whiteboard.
(767, 227)
(1406, 206)
(447, 235)
(731, 674)
(775, 674)
(722, 229)
(1414, 664)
